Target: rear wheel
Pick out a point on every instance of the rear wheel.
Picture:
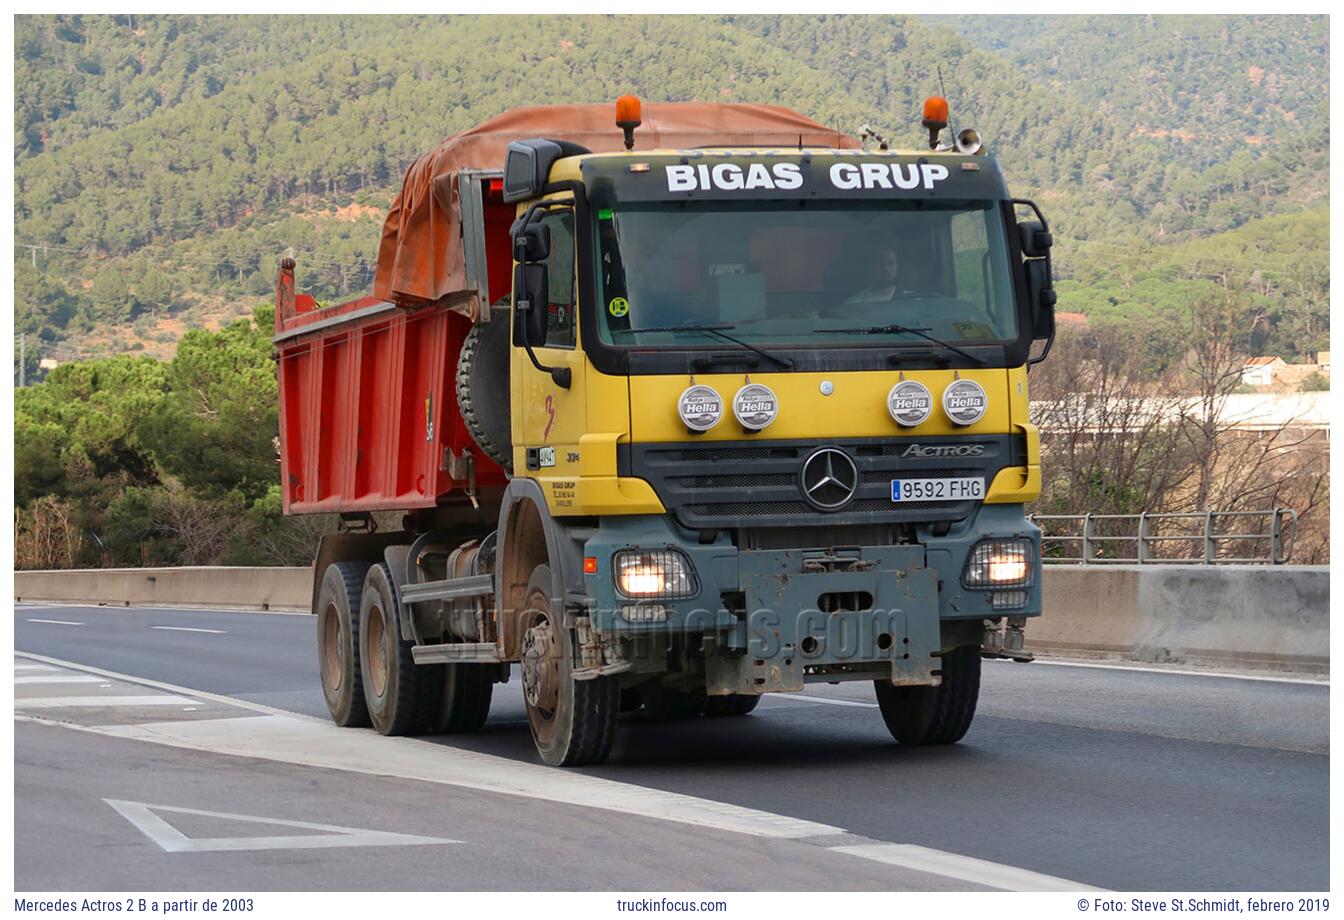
(934, 715)
(465, 701)
(402, 699)
(573, 721)
(338, 643)
(662, 702)
(734, 704)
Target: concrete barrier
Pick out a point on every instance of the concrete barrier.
(189, 586)
(1224, 616)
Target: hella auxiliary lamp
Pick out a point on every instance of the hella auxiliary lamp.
(662, 574)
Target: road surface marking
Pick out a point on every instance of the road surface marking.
(966, 868)
(821, 699)
(65, 702)
(119, 607)
(218, 632)
(59, 679)
(1184, 672)
(170, 839)
(34, 667)
(55, 622)
(286, 737)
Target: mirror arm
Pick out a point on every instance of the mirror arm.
(562, 376)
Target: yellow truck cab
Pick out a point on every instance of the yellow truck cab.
(782, 408)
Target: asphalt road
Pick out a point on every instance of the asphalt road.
(1120, 779)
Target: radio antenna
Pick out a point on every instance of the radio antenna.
(942, 90)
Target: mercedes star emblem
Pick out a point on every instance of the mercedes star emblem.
(829, 479)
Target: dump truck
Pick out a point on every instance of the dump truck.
(668, 414)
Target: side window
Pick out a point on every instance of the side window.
(970, 258)
(560, 327)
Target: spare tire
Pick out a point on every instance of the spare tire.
(483, 387)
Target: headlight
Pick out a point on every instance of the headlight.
(654, 573)
(1001, 564)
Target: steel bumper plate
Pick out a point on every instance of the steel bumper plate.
(861, 608)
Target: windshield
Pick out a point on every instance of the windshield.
(802, 273)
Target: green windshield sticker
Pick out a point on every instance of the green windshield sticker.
(604, 214)
(619, 306)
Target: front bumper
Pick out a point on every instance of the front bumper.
(775, 618)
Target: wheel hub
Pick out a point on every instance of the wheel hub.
(333, 650)
(541, 667)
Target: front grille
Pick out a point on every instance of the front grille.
(714, 485)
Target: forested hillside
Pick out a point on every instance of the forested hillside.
(164, 164)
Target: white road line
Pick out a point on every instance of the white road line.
(60, 679)
(55, 622)
(117, 607)
(33, 667)
(821, 699)
(966, 868)
(218, 632)
(170, 839)
(1183, 672)
(97, 702)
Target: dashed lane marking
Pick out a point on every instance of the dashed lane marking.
(145, 818)
(59, 679)
(54, 622)
(98, 702)
(218, 632)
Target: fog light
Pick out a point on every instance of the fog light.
(1006, 600)
(654, 573)
(1000, 564)
(644, 613)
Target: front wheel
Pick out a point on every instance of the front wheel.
(934, 715)
(573, 721)
(734, 704)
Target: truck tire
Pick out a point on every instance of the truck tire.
(630, 701)
(734, 704)
(662, 702)
(934, 715)
(573, 721)
(402, 698)
(483, 388)
(338, 643)
(464, 702)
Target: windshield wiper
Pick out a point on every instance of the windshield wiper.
(897, 329)
(719, 330)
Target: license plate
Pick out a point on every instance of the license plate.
(937, 490)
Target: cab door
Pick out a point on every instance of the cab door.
(548, 419)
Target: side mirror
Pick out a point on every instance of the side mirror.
(1042, 298)
(1036, 240)
(531, 290)
(532, 243)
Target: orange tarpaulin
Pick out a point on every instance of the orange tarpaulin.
(420, 258)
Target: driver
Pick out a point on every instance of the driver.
(884, 268)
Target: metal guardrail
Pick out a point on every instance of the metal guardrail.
(1166, 538)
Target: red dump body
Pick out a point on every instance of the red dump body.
(368, 401)
(368, 407)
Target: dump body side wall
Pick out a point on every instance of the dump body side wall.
(368, 408)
